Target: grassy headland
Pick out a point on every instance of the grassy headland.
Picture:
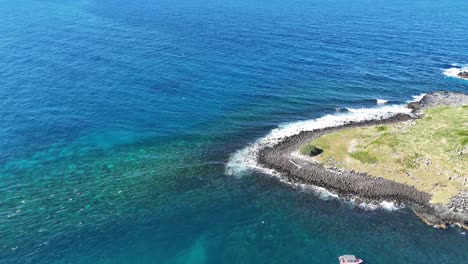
(430, 153)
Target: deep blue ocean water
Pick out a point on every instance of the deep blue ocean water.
(118, 118)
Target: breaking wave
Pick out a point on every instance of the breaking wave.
(388, 206)
(381, 101)
(455, 70)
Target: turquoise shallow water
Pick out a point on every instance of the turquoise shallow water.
(118, 119)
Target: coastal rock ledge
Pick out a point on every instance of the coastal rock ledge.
(284, 158)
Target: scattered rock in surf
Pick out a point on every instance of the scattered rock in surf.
(463, 74)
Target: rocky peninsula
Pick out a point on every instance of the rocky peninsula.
(287, 158)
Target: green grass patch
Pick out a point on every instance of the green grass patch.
(386, 139)
(381, 128)
(364, 157)
(409, 162)
(463, 134)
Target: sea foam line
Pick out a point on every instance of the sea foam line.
(388, 206)
(455, 70)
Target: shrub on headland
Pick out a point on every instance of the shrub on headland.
(310, 150)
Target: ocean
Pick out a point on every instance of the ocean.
(128, 128)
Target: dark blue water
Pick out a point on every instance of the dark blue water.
(117, 120)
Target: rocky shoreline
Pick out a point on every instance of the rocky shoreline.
(284, 158)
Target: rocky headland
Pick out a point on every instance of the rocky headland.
(286, 159)
(439, 99)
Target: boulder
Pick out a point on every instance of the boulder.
(463, 74)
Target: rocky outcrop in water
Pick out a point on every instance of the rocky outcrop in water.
(463, 74)
(442, 98)
(284, 157)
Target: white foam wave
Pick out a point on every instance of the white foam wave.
(368, 206)
(381, 101)
(245, 160)
(454, 71)
(322, 193)
(388, 206)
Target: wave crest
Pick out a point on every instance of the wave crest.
(455, 70)
(244, 161)
(381, 101)
(388, 206)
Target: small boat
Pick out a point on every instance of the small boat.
(346, 259)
